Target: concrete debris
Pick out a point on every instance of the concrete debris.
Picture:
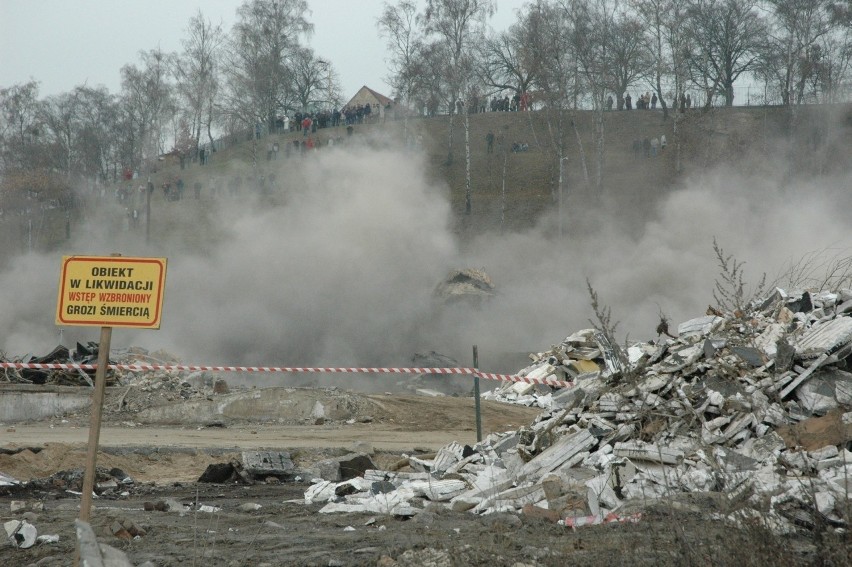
(469, 285)
(261, 465)
(21, 533)
(108, 482)
(232, 471)
(6, 480)
(94, 554)
(343, 468)
(753, 407)
(84, 354)
(434, 385)
(125, 528)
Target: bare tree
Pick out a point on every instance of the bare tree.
(398, 25)
(19, 126)
(509, 58)
(626, 56)
(456, 26)
(263, 41)
(663, 24)
(725, 38)
(552, 24)
(312, 80)
(196, 71)
(97, 131)
(145, 94)
(58, 115)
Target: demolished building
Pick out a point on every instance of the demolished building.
(750, 410)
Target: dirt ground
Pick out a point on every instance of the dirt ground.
(269, 523)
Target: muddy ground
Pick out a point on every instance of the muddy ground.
(269, 523)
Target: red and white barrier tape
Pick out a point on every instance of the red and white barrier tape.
(328, 370)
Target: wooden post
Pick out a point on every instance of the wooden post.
(476, 395)
(95, 423)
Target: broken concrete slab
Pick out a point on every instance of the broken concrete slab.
(641, 451)
(555, 456)
(260, 464)
(824, 338)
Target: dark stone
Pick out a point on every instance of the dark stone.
(750, 355)
(382, 487)
(218, 473)
(355, 464)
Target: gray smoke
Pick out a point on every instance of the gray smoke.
(343, 275)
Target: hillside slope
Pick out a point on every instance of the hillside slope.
(782, 142)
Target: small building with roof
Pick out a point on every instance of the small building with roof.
(366, 95)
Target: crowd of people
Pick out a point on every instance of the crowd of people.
(648, 101)
(307, 124)
(648, 147)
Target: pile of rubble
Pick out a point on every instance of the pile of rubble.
(149, 388)
(83, 354)
(142, 388)
(746, 413)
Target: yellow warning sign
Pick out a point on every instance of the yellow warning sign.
(111, 291)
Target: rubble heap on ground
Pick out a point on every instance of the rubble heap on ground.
(143, 389)
(746, 412)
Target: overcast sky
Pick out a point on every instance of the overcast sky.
(65, 43)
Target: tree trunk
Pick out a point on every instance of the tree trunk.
(581, 151)
(503, 190)
(467, 188)
(599, 130)
(450, 138)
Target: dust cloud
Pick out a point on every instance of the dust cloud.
(343, 274)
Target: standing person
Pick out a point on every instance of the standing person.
(654, 101)
(609, 103)
(489, 141)
(688, 101)
(655, 144)
(306, 126)
(662, 142)
(628, 102)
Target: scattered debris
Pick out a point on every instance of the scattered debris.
(261, 465)
(6, 480)
(93, 553)
(21, 533)
(84, 354)
(753, 406)
(437, 384)
(125, 528)
(219, 473)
